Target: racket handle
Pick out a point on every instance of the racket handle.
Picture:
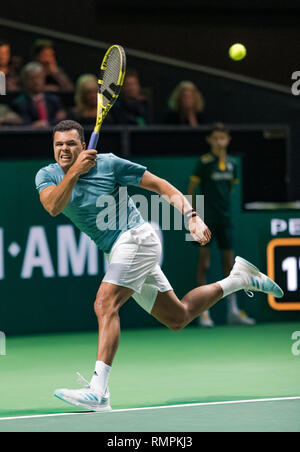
(93, 141)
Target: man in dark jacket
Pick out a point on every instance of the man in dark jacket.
(35, 106)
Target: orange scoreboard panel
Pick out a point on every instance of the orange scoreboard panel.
(283, 263)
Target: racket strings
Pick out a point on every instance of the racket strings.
(111, 75)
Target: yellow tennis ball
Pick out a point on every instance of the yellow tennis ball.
(237, 52)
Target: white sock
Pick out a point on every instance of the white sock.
(100, 378)
(231, 284)
(232, 304)
(206, 313)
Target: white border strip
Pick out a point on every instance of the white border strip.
(145, 55)
(230, 402)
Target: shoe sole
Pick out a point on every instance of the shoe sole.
(269, 286)
(82, 405)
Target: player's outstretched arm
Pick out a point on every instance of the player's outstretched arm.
(197, 227)
(192, 187)
(55, 198)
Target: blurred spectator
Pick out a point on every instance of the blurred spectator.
(9, 117)
(216, 173)
(37, 107)
(186, 105)
(9, 66)
(86, 91)
(132, 106)
(56, 79)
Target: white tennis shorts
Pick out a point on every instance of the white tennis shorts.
(133, 263)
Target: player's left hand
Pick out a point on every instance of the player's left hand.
(199, 231)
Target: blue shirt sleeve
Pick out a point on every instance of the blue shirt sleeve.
(126, 172)
(43, 180)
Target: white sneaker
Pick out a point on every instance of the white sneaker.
(254, 280)
(205, 320)
(86, 397)
(240, 318)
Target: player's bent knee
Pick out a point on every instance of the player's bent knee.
(177, 324)
(170, 311)
(176, 327)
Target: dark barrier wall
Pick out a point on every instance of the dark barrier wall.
(198, 31)
(265, 151)
(49, 273)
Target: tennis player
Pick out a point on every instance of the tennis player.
(74, 186)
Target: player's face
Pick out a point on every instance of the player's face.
(219, 141)
(67, 147)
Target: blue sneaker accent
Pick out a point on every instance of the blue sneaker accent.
(272, 288)
(89, 397)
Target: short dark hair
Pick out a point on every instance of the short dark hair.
(4, 43)
(65, 126)
(219, 127)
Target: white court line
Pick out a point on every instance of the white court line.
(230, 402)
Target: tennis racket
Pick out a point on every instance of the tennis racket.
(111, 78)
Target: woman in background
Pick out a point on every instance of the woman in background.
(186, 105)
(85, 99)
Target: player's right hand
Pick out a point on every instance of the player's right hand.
(199, 231)
(85, 161)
